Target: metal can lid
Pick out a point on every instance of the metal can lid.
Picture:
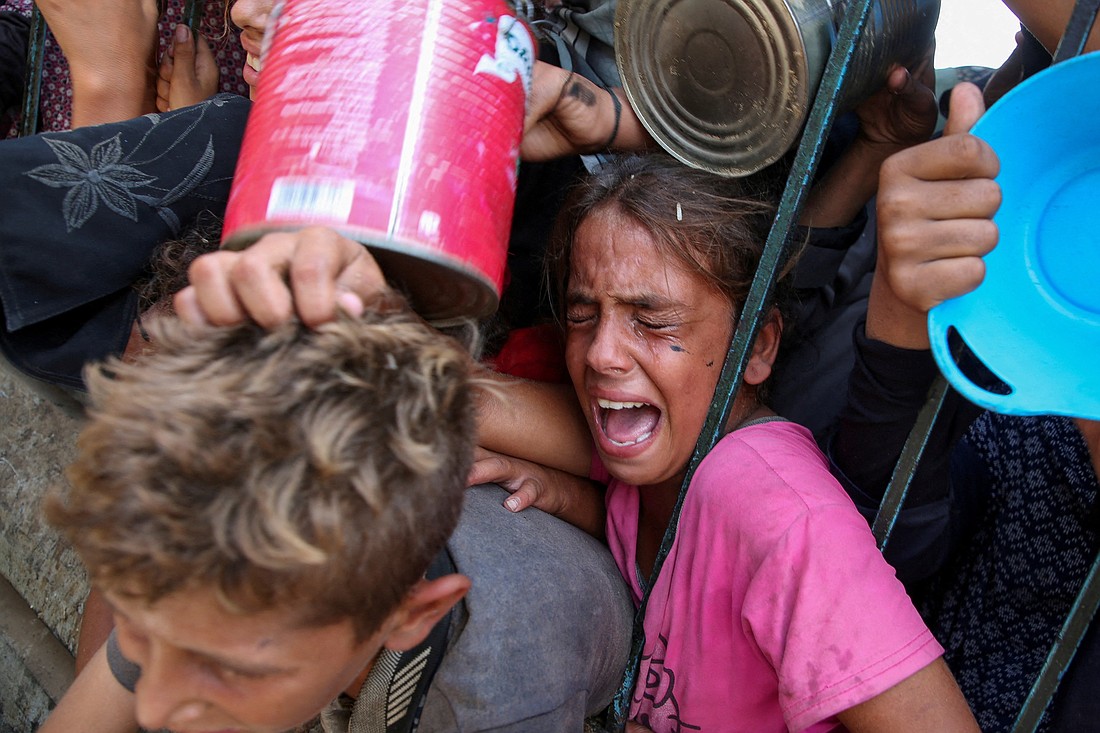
(722, 85)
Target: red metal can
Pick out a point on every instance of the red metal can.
(398, 124)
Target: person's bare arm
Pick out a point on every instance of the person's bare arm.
(96, 703)
(568, 114)
(901, 114)
(1047, 21)
(111, 49)
(574, 499)
(929, 700)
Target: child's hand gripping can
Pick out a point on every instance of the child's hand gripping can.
(397, 124)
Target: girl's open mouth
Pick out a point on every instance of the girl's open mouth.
(627, 423)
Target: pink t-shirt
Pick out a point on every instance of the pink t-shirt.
(774, 610)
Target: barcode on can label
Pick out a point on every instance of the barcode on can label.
(311, 199)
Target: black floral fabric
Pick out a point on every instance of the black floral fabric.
(1000, 603)
(81, 213)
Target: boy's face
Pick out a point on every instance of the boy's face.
(206, 669)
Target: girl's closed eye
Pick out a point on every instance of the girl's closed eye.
(579, 314)
(657, 324)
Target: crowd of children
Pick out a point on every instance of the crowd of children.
(270, 494)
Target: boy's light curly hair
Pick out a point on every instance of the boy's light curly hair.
(312, 470)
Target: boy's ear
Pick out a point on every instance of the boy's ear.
(425, 604)
(764, 351)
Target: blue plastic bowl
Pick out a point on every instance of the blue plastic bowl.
(1035, 319)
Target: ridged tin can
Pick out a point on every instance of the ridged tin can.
(398, 125)
(726, 85)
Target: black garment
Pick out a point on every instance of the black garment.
(831, 282)
(82, 212)
(14, 33)
(1001, 529)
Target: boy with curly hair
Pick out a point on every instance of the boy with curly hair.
(272, 518)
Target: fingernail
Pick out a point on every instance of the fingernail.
(512, 503)
(351, 303)
(183, 33)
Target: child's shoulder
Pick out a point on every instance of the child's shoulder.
(776, 462)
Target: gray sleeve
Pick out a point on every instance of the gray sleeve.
(547, 631)
(125, 671)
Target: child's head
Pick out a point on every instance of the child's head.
(711, 225)
(303, 477)
(274, 466)
(653, 262)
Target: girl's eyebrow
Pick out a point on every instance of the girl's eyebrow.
(645, 301)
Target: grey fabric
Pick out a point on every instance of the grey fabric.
(125, 671)
(548, 629)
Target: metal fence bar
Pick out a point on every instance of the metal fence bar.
(192, 14)
(32, 87)
(1061, 654)
(775, 253)
(906, 467)
(1077, 31)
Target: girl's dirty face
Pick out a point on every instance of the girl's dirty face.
(252, 16)
(645, 341)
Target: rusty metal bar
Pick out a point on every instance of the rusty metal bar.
(32, 88)
(1061, 654)
(906, 466)
(1077, 30)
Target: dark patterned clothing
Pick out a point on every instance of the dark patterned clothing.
(83, 211)
(998, 606)
(56, 108)
(996, 537)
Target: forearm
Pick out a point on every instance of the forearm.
(1047, 20)
(887, 389)
(536, 421)
(99, 98)
(926, 701)
(582, 504)
(847, 186)
(95, 703)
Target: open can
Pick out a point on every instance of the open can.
(398, 125)
(726, 85)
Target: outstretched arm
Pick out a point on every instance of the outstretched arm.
(567, 114)
(569, 497)
(901, 114)
(1047, 20)
(934, 205)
